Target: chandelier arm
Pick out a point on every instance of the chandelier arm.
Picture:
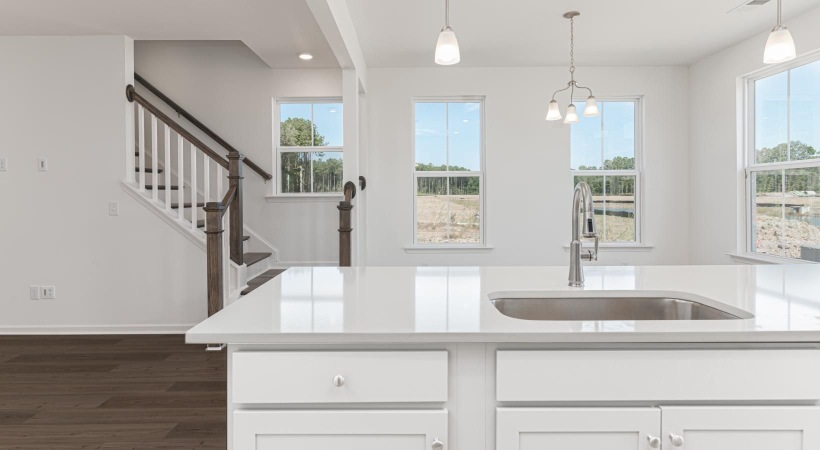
(560, 90)
(584, 87)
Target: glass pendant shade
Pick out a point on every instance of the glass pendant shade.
(591, 109)
(779, 46)
(572, 114)
(447, 48)
(553, 113)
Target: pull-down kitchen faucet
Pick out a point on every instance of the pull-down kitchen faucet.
(581, 229)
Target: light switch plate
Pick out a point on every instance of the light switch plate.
(42, 164)
(48, 293)
(4, 164)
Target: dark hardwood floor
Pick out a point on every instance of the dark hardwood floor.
(110, 392)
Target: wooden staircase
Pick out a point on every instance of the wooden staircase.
(199, 192)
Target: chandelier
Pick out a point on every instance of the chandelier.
(591, 108)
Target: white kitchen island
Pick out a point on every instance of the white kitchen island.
(418, 358)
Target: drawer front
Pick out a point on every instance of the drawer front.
(658, 375)
(339, 377)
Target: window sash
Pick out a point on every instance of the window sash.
(451, 174)
(751, 165)
(283, 150)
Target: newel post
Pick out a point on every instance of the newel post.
(345, 206)
(213, 234)
(236, 215)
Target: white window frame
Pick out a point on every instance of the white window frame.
(747, 106)
(482, 215)
(637, 172)
(278, 149)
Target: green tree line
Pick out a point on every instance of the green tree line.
(770, 181)
(296, 173)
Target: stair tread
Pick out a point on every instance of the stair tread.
(161, 188)
(261, 279)
(148, 170)
(252, 258)
(187, 205)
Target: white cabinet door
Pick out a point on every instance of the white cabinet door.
(578, 428)
(340, 430)
(747, 428)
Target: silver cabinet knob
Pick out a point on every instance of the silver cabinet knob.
(677, 440)
(654, 441)
(437, 444)
(338, 381)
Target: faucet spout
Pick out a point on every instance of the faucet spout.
(583, 226)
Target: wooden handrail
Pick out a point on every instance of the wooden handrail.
(179, 110)
(133, 96)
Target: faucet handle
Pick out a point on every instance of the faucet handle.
(591, 255)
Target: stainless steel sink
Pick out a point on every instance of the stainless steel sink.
(617, 306)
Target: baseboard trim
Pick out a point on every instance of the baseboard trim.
(95, 329)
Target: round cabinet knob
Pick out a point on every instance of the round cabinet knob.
(338, 381)
(654, 441)
(677, 440)
(437, 444)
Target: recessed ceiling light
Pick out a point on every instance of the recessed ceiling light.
(305, 56)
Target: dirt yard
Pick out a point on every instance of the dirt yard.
(463, 224)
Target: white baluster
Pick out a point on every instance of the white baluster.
(180, 176)
(141, 131)
(167, 149)
(130, 158)
(193, 188)
(206, 180)
(154, 159)
(219, 176)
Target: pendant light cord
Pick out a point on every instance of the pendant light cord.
(572, 57)
(447, 13)
(779, 14)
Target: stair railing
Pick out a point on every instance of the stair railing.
(345, 208)
(199, 163)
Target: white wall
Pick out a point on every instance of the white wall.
(528, 182)
(228, 88)
(64, 98)
(715, 156)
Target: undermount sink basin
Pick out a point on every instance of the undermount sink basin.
(610, 306)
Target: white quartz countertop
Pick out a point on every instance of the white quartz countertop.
(384, 305)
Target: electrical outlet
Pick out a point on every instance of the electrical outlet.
(42, 164)
(4, 164)
(34, 292)
(48, 292)
(113, 209)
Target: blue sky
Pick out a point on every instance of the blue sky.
(771, 116)
(610, 134)
(463, 122)
(326, 116)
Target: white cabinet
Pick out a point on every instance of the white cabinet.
(578, 428)
(747, 428)
(340, 430)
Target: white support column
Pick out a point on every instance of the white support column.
(350, 164)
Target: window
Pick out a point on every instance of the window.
(783, 163)
(309, 153)
(605, 153)
(449, 172)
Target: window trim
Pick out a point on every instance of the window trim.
(482, 204)
(276, 187)
(746, 105)
(637, 172)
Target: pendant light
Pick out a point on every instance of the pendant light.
(591, 107)
(447, 52)
(780, 45)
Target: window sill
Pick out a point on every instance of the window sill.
(626, 247)
(754, 258)
(329, 198)
(448, 249)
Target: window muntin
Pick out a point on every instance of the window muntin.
(448, 176)
(783, 171)
(605, 153)
(309, 149)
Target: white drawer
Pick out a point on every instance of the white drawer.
(339, 377)
(658, 375)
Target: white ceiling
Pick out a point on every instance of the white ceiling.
(277, 30)
(401, 33)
